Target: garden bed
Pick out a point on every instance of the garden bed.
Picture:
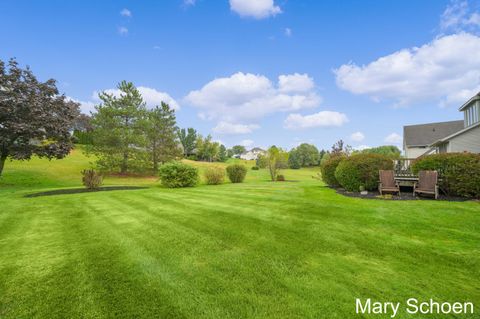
(83, 190)
(404, 195)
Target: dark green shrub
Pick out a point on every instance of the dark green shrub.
(459, 172)
(328, 167)
(255, 168)
(236, 173)
(214, 175)
(280, 178)
(91, 179)
(177, 174)
(362, 170)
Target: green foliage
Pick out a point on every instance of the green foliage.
(280, 178)
(161, 134)
(83, 137)
(261, 161)
(207, 150)
(328, 166)
(236, 173)
(188, 139)
(255, 168)
(222, 153)
(238, 149)
(31, 110)
(214, 175)
(178, 174)
(388, 150)
(91, 179)
(119, 124)
(459, 172)
(304, 155)
(276, 159)
(294, 160)
(362, 170)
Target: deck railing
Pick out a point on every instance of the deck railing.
(402, 167)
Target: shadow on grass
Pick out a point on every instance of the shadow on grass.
(83, 190)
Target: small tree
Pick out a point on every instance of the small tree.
(119, 124)
(276, 159)
(207, 150)
(222, 153)
(161, 131)
(188, 139)
(34, 118)
(238, 149)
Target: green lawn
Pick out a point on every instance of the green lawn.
(254, 250)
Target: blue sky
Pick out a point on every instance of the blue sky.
(261, 72)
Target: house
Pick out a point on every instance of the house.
(445, 137)
(468, 138)
(252, 154)
(418, 138)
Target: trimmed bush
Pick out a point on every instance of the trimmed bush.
(177, 174)
(255, 168)
(214, 175)
(362, 170)
(459, 172)
(236, 173)
(328, 167)
(91, 179)
(280, 178)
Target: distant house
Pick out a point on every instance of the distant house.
(445, 137)
(252, 154)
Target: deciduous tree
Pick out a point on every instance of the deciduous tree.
(34, 118)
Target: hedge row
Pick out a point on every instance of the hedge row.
(178, 174)
(459, 172)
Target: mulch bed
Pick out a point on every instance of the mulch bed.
(406, 194)
(83, 190)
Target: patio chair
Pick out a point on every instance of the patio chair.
(387, 182)
(427, 183)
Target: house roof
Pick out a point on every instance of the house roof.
(426, 134)
(474, 98)
(449, 137)
(256, 149)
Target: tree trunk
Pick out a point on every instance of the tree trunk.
(3, 158)
(123, 168)
(155, 160)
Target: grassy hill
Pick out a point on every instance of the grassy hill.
(253, 250)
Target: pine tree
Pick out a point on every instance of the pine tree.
(118, 138)
(162, 138)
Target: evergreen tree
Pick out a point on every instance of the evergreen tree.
(222, 153)
(161, 133)
(188, 139)
(119, 124)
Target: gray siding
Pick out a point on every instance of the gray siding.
(468, 141)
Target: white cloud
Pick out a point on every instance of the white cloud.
(247, 143)
(357, 137)
(246, 97)
(295, 83)
(444, 70)
(320, 119)
(394, 138)
(288, 32)
(458, 16)
(126, 13)
(232, 128)
(361, 147)
(122, 31)
(152, 97)
(257, 9)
